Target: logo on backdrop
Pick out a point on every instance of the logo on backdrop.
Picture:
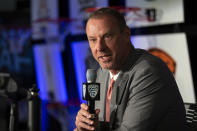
(15, 51)
(165, 57)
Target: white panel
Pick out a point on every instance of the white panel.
(167, 12)
(42, 10)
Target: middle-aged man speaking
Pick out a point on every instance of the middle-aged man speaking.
(138, 92)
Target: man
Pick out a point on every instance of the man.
(144, 97)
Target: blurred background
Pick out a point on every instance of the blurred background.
(43, 43)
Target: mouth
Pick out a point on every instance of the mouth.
(105, 58)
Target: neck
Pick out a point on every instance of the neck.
(114, 72)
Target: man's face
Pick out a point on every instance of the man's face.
(109, 46)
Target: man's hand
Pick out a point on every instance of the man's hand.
(85, 120)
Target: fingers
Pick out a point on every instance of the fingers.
(84, 111)
(83, 119)
(82, 126)
(84, 106)
(97, 111)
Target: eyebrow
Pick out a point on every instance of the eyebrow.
(91, 37)
(110, 32)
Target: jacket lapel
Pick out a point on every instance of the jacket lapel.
(117, 93)
(120, 84)
(104, 83)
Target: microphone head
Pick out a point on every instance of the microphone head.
(14, 92)
(91, 75)
(91, 89)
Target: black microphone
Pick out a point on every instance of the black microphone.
(9, 89)
(91, 90)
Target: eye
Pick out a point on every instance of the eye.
(92, 40)
(108, 36)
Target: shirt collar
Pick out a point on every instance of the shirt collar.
(115, 76)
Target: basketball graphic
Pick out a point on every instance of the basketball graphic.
(165, 57)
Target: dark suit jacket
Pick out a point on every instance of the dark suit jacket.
(145, 96)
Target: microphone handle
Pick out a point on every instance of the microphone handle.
(34, 114)
(91, 106)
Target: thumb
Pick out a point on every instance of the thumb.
(97, 111)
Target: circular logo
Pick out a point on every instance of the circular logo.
(165, 57)
(93, 90)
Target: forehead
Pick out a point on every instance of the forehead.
(102, 22)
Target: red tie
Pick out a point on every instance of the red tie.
(109, 93)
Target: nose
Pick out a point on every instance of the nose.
(100, 45)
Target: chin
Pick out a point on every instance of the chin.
(106, 66)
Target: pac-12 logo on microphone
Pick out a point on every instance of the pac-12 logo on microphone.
(93, 90)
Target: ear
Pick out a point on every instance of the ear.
(127, 30)
(127, 33)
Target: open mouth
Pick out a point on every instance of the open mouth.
(105, 58)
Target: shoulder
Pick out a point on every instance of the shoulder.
(150, 70)
(151, 77)
(149, 63)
